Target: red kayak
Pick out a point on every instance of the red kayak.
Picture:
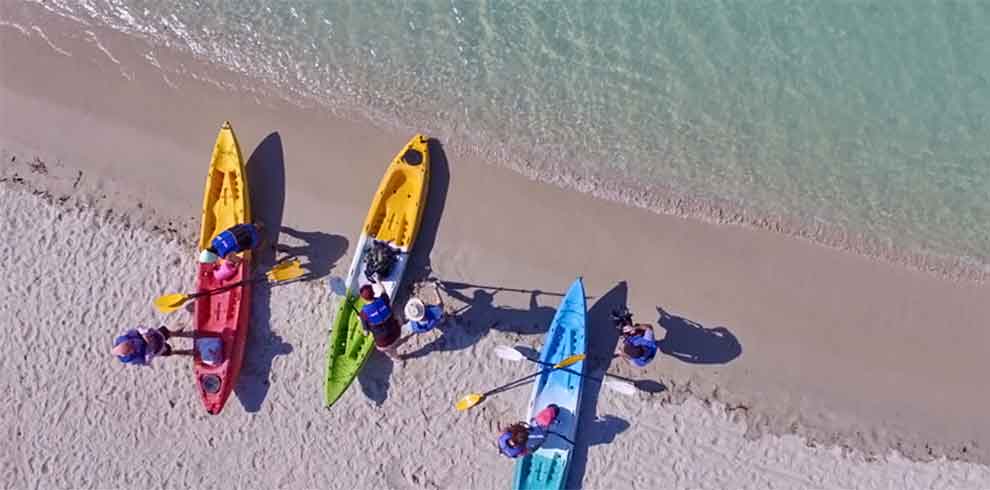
(224, 314)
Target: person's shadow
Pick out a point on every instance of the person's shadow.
(266, 181)
(602, 340)
(374, 377)
(479, 315)
(321, 250)
(691, 342)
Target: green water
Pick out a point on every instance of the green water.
(869, 115)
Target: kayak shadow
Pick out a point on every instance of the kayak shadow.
(420, 267)
(253, 383)
(374, 378)
(321, 251)
(479, 314)
(691, 342)
(266, 181)
(602, 340)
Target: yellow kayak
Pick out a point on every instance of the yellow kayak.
(393, 221)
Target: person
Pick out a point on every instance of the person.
(422, 318)
(140, 345)
(520, 438)
(639, 345)
(377, 318)
(227, 244)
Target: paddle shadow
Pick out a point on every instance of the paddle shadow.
(691, 342)
(374, 378)
(480, 314)
(266, 181)
(321, 251)
(602, 340)
(420, 267)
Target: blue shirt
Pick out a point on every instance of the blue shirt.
(139, 347)
(510, 451)
(649, 345)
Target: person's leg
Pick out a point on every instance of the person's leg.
(177, 330)
(178, 352)
(390, 351)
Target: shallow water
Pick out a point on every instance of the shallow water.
(871, 116)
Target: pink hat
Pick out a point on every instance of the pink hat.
(225, 270)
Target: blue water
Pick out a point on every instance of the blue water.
(869, 116)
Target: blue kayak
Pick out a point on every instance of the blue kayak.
(546, 468)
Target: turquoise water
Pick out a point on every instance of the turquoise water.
(870, 116)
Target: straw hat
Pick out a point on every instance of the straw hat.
(415, 310)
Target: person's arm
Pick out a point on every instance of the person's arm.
(364, 320)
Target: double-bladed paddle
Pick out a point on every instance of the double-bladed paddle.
(621, 386)
(473, 399)
(281, 272)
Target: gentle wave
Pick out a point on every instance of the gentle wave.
(857, 125)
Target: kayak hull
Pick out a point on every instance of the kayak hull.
(546, 468)
(224, 315)
(394, 218)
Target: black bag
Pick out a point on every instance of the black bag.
(379, 261)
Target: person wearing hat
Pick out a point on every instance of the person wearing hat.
(422, 318)
(377, 318)
(520, 439)
(140, 345)
(639, 346)
(230, 242)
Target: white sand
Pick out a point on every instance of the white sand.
(74, 417)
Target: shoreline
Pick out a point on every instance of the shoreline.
(855, 333)
(538, 164)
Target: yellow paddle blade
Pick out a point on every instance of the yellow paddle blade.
(468, 401)
(576, 358)
(286, 271)
(170, 302)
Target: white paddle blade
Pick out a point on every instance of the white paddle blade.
(623, 387)
(508, 353)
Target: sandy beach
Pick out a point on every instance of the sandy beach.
(785, 364)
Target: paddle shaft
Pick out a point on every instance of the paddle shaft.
(586, 376)
(515, 383)
(228, 287)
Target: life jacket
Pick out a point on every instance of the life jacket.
(506, 449)
(649, 349)
(377, 312)
(237, 238)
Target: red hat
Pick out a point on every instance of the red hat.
(367, 292)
